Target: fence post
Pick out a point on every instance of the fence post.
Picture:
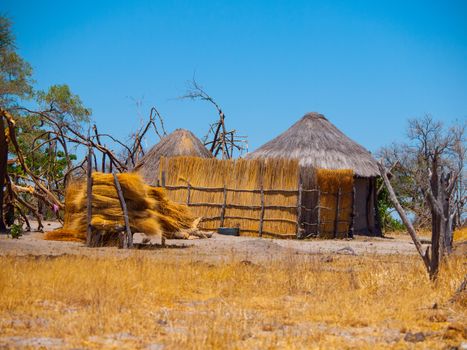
(224, 204)
(261, 215)
(89, 199)
(299, 206)
(126, 238)
(318, 220)
(336, 222)
(352, 216)
(188, 194)
(162, 166)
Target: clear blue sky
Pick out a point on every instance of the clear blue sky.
(366, 65)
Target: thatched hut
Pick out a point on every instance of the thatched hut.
(181, 142)
(318, 144)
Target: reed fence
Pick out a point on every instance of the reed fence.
(269, 211)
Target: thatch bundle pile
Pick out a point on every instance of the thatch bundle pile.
(149, 210)
(271, 174)
(335, 201)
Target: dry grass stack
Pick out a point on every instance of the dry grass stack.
(336, 201)
(149, 209)
(242, 180)
(74, 220)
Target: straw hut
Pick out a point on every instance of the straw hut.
(181, 142)
(318, 144)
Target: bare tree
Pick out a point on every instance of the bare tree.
(59, 135)
(218, 139)
(433, 160)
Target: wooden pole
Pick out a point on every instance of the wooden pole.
(89, 198)
(261, 215)
(336, 221)
(224, 204)
(261, 192)
(352, 215)
(95, 162)
(404, 218)
(188, 194)
(299, 206)
(126, 238)
(163, 178)
(318, 219)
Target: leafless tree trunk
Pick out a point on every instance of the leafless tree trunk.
(433, 164)
(3, 169)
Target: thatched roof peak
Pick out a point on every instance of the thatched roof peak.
(181, 142)
(316, 142)
(314, 115)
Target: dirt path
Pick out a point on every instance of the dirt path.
(217, 248)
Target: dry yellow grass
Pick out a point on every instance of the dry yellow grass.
(309, 302)
(460, 234)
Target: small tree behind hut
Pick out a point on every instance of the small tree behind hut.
(434, 161)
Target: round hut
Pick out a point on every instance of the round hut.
(181, 142)
(318, 144)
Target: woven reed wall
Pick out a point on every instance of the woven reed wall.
(330, 182)
(272, 174)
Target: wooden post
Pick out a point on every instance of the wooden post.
(223, 207)
(126, 238)
(318, 220)
(188, 194)
(89, 198)
(261, 185)
(162, 165)
(404, 218)
(163, 178)
(103, 162)
(352, 216)
(336, 221)
(261, 215)
(299, 206)
(95, 162)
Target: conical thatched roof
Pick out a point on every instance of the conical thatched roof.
(179, 143)
(316, 142)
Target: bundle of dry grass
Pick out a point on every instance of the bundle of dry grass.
(335, 202)
(234, 175)
(74, 221)
(149, 210)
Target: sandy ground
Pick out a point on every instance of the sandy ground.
(217, 248)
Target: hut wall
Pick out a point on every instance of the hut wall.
(335, 202)
(366, 222)
(309, 212)
(361, 207)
